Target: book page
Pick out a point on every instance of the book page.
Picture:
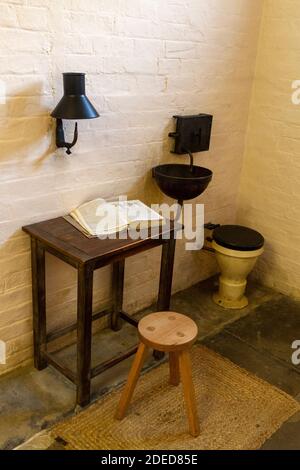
(100, 218)
(139, 212)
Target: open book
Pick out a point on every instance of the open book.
(99, 218)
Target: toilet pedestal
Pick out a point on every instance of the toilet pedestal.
(235, 265)
(230, 295)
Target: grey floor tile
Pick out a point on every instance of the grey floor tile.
(272, 327)
(260, 363)
(287, 437)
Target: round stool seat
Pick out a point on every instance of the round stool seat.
(167, 331)
(239, 238)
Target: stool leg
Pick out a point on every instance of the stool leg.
(174, 368)
(189, 392)
(131, 381)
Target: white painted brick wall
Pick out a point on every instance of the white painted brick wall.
(146, 60)
(269, 194)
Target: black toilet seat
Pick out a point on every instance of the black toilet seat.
(239, 238)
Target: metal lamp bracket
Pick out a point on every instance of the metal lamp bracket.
(60, 136)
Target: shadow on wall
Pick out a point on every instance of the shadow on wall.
(266, 265)
(26, 130)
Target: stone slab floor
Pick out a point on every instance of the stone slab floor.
(257, 338)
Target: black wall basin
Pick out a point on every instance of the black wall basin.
(182, 182)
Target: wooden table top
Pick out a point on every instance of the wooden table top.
(63, 237)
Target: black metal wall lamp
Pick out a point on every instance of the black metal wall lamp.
(73, 105)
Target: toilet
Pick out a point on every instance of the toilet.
(237, 249)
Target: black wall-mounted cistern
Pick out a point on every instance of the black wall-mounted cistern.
(73, 105)
(192, 134)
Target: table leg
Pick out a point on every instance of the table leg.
(39, 303)
(165, 283)
(166, 275)
(118, 288)
(84, 333)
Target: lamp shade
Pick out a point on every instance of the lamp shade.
(74, 104)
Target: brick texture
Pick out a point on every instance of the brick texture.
(145, 60)
(269, 193)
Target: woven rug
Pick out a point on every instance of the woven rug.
(236, 411)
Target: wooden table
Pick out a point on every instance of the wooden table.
(61, 239)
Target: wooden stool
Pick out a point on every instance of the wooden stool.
(173, 333)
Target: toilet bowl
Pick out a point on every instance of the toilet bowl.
(237, 249)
